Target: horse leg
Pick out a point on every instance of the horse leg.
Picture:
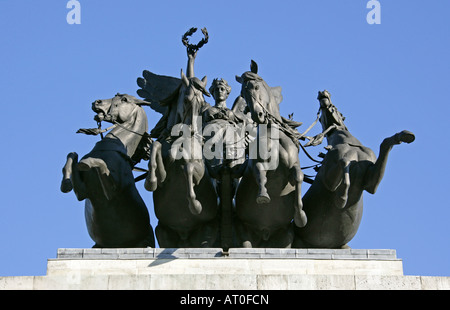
(156, 171)
(206, 235)
(332, 175)
(299, 215)
(246, 237)
(340, 200)
(167, 238)
(261, 180)
(194, 205)
(375, 173)
(282, 238)
(66, 183)
(72, 179)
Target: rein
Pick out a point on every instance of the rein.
(129, 130)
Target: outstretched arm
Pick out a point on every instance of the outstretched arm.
(192, 49)
(191, 61)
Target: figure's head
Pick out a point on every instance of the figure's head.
(117, 109)
(220, 90)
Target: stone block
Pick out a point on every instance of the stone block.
(435, 283)
(379, 282)
(301, 253)
(178, 282)
(17, 283)
(93, 254)
(333, 282)
(99, 282)
(358, 252)
(69, 253)
(202, 253)
(272, 282)
(280, 253)
(319, 254)
(382, 254)
(129, 282)
(169, 253)
(321, 282)
(246, 253)
(231, 282)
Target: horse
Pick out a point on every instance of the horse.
(334, 202)
(184, 196)
(115, 213)
(268, 198)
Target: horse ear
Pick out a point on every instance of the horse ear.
(204, 80)
(254, 67)
(141, 102)
(239, 79)
(184, 79)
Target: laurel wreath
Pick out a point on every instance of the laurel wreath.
(194, 47)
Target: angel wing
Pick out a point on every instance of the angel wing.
(156, 88)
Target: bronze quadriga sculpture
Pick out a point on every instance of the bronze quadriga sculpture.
(221, 177)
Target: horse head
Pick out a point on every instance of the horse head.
(118, 109)
(128, 117)
(191, 98)
(330, 116)
(262, 100)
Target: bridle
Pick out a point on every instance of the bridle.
(100, 131)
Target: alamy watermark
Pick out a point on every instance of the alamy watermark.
(226, 142)
(374, 16)
(74, 15)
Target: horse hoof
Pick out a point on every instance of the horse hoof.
(151, 185)
(406, 136)
(262, 199)
(247, 244)
(195, 207)
(300, 219)
(66, 186)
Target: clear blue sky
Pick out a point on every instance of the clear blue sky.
(384, 78)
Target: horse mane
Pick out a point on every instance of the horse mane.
(275, 100)
(141, 148)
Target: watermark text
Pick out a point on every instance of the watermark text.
(74, 15)
(374, 15)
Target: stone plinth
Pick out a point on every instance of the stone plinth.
(212, 269)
